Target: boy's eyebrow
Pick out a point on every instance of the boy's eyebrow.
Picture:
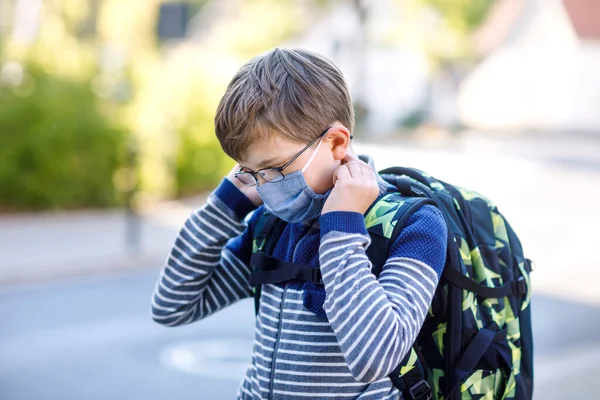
(267, 162)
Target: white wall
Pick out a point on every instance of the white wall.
(546, 79)
(586, 114)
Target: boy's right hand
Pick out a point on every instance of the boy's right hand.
(249, 191)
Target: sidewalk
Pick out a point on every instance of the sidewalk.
(571, 150)
(41, 246)
(549, 191)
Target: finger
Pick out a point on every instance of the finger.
(355, 169)
(367, 170)
(341, 173)
(349, 157)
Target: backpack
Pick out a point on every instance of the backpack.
(476, 341)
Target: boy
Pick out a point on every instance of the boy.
(287, 119)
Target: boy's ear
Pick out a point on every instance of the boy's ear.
(338, 138)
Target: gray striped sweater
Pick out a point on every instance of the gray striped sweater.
(340, 340)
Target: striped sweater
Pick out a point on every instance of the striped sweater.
(339, 340)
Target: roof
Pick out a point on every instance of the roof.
(585, 17)
(506, 15)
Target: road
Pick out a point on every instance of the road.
(92, 338)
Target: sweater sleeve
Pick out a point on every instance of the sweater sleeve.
(376, 321)
(208, 266)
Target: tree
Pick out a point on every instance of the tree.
(462, 16)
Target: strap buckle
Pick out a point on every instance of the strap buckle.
(520, 286)
(530, 265)
(316, 276)
(420, 391)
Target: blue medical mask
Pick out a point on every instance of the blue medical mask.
(291, 199)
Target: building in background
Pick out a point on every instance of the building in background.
(541, 68)
(388, 79)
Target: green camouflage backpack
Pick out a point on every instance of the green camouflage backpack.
(476, 341)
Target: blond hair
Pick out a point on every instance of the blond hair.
(292, 93)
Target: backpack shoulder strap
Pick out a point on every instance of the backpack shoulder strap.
(267, 229)
(385, 221)
(261, 232)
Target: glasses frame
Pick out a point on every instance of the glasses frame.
(256, 174)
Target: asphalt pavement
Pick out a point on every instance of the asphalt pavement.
(93, 338)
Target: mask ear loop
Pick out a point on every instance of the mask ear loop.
(313, 155)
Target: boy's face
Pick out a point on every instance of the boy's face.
(276, 151)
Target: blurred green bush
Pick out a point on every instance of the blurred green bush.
(57, 150)
(174, 124)
(200, 162)
(63, 140)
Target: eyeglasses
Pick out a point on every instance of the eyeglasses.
(250, 178)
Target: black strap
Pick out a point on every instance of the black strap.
(410, 172)
(413, 384)
(529, 265)
(518, 287)
(478, 346)
(473, 353)
(268, 228)
(264, 225)
(430, 325)
(267, 269)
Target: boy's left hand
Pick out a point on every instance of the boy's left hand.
(355, 187)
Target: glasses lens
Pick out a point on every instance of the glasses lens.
(246, 178)
(270, 175)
